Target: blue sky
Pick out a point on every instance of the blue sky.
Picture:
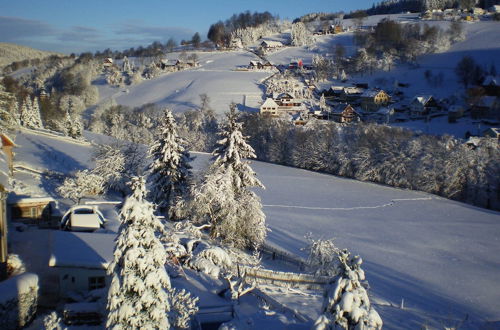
(89, 25)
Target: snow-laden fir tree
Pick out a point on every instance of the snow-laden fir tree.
(138, 296)
(30, 114)
(169, 171)
(225, 199)
(301, 35)
(346, 304)
(72, 126)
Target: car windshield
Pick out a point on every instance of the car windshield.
(83, 211)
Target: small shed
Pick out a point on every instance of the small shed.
(81, 260)
(42, 211)
(270, 44)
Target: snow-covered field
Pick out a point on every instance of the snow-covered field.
(181, 90)
(441, 257)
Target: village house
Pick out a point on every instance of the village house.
(108, 62)
(345, 113)
(295, 64)
(492, 132)
(270, 44)
(260, 65)
(491, 86)
(269, 107)
(335, 29)
(41, 211)
(284, 104)
(80, 261)
(351, 94)
(334, 92)
(422, 105)
(374, 100)
(488, 107)
(168, 64)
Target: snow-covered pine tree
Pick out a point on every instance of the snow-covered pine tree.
(226, 189)
(72, 125)
(138, 296)
(37, 119)
(346, 304)
(169, 171)
(25, 115)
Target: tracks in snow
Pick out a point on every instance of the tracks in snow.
(391, 203)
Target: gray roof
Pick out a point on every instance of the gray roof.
(81, 250)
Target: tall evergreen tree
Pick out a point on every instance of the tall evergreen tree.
(225, 199)
(138, 296)
(35, 109)
(169, 171)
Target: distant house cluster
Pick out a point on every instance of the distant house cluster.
(260, 65)
(331, 29)
(283, 104)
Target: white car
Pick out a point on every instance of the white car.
(82, 218)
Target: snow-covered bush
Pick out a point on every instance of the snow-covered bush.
(182, 309)
(18, 301)
(52, 321)
(84, 183)
(322, 256)
(209, 260)
(110, 165)
(346, 303)
(138, 296)
(15, 265)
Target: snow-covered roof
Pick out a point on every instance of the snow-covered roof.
(353, 90)
(17, 199)
(285, 96)
(270, 103)
(4, 170)
(271, 43)
(337, 88)
(422, 99)
(494, 130)
(371, 93)
(81, 250)
(490, 81)
(341, 107)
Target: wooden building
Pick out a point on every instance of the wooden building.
(422, 105)
(345, 113)
(41, 211)
(374, 100)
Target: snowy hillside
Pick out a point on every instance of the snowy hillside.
(180, 90)
(12, 53)
(441, 257)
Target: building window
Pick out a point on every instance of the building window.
(33, 211)
(97, 282)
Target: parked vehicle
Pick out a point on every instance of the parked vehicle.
(83, 218)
